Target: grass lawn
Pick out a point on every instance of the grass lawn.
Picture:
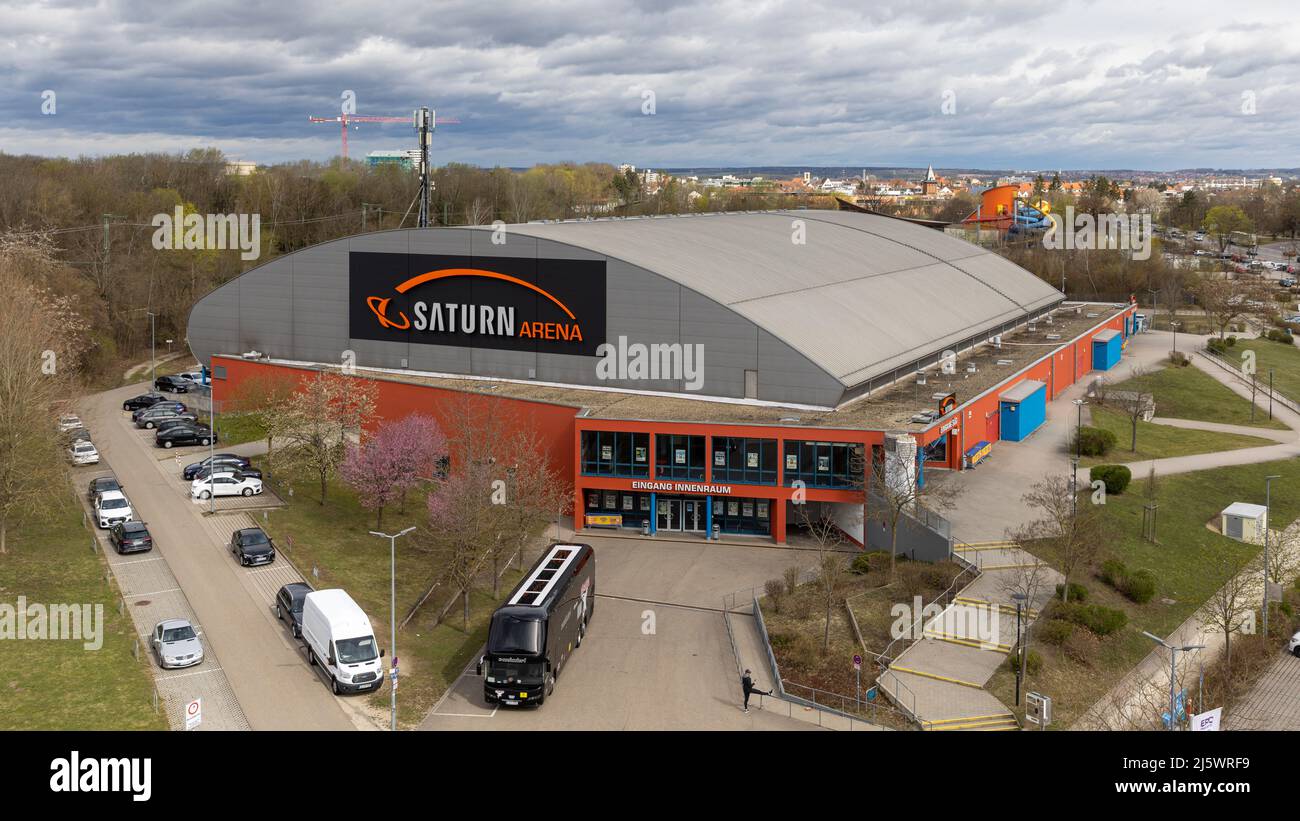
(1189, 393)
(1185, 563)
(335, 539)
(237, 428)
(1161, 441)
(59, 684)
(1282, 359)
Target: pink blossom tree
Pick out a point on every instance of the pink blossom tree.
(396, 458)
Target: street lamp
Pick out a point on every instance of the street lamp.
(392, 612)
(1078, 425)
(1175, 325)
(1173, 669)
(1020, 598)
(1268, 516)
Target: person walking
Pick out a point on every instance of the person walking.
(747, 684)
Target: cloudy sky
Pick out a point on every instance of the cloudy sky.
(1111, 84)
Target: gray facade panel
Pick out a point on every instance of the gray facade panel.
(320, 308)
(784, 376)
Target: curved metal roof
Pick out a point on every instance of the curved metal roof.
(858, 294)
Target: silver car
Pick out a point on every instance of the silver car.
(176, 644)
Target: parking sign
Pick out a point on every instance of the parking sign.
(194, 714)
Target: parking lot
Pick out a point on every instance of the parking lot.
(657, 655)
(254, 674)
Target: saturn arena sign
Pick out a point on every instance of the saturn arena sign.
(504, 303)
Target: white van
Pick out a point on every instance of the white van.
(341, 641)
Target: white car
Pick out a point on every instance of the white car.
(225, 484)
(83, 452)
(176, 644)
(112, 507)
(192, 376)
(1200, 236)
(1294, 646)
(69, 422)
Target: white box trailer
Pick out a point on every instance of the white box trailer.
(341, 642)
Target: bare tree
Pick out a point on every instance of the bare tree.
(537, 494)
(464, 525)
(264, 398)
(1230, 610)
(320, 417)
(831, 566)
(1073, 534)
(891, 499)
(38, 354)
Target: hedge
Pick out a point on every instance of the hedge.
(1078, 592)
(1091, 441)
(1101, 620)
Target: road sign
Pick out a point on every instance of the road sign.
(857, 662)
(194, 714)
(1207, 721)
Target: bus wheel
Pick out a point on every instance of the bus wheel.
(582, 631)
(550, 685)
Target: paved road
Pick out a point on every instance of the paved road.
(1273, 703)
(657, 656)
(271, 681)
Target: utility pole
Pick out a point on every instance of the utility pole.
(392, 647)
(1173, 672)
(1270, 394)
(1020, 654)
(424, 124)
(365, 212)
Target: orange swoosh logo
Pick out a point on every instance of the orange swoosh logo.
(447, 273)
(380, 308)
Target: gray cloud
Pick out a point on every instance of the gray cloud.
(1068, 85)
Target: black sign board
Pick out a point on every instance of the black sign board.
(504, 303)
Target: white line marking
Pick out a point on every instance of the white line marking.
(470, 715)
(138, 561)
(187, 675)
(154, 593)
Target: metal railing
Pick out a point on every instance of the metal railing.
(959, 582)
(1262, 389)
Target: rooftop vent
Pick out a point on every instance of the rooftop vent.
(925, 416)
(789, 419)
(1006, 361)
(1053, 336)
(1093, 314)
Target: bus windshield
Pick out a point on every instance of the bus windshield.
(514, 672)
(511, 634)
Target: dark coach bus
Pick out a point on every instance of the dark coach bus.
(542, 622)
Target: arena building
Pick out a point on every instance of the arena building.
(687, 371)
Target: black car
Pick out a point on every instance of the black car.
(252, 546)
(144, 400)
(172, 384)
(173, 421)
(130, 537)
(190, 434)
(151, 417)
(222, 460)
(288, 603)
(166, 404)
(100, 485)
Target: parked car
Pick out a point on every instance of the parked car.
(1286, 282)
(178, 419)
(288, 605)
(144, 400)
(76, 435)
(242, 472)
(130, 537)
(225, 484)
(112, 507)
(166, 404)
(191, 434)
(1294, 646)
(151, 417)
(232, 461)
(340, 639)
(252, 546)
(172, 384)
(176, 644)
(1199, 236)
(69, 422)
(102, 484)
(193, 377)
(83, 452)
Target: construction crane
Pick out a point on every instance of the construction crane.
(344, 119)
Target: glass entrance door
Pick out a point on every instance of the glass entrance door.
(692, 515)
(669, 515)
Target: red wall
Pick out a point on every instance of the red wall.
(396, 400)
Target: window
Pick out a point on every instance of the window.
(679, 457)
(747, 461)
(219, 372)
(615, 453)
(632, 506)
(824, 464)
(743, 515)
